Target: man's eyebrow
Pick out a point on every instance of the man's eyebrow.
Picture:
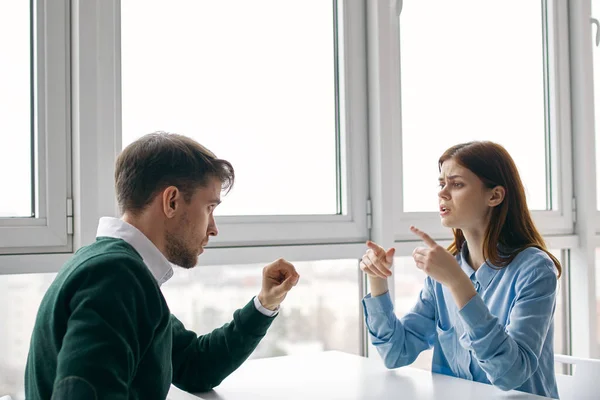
(215, 201)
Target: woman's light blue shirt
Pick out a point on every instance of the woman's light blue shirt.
(504, 335)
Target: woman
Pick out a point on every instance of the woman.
(487, 306)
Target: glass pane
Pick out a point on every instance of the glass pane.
(321, 313)
(596, 55)
(22, 294)
(471, 70)
(253, 81)
(16, 108)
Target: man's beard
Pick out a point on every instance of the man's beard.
(178, 253)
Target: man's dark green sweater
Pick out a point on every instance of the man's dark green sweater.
(104, 331)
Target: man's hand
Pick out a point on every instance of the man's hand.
(279, 278)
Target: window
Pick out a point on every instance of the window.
(266, 84)
(321, 313)
(472, 70)
(483, 79)
(34, 108)
(269, 95)
(596, 61)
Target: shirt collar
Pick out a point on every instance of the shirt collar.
(483, 275)
(156, 262)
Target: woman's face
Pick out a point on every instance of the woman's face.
(465, 202)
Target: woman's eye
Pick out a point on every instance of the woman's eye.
(458, 185)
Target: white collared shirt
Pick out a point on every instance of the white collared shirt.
(156, 262)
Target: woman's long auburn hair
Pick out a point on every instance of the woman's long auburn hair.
(510, 224)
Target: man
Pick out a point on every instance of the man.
(104, 330)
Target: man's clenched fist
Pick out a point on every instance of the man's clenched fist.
(279, 277)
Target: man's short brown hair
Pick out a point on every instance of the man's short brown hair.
(159, 160)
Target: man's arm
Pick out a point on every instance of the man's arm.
(202, 362)
(110, 327)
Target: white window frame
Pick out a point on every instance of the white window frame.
(235, 231)
(583, 258)
(48, 231)
(384, 74)
(589, 93)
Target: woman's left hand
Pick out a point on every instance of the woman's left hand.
(437, 262)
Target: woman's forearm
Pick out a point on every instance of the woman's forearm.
(378, 286)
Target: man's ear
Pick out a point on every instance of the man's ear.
(171, 197)
(498, 194)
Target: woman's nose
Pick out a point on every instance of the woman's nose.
(443, 194)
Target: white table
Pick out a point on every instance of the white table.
(335, 376)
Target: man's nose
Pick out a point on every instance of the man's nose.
(212, 227)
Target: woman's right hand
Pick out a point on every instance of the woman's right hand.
(377, 262)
